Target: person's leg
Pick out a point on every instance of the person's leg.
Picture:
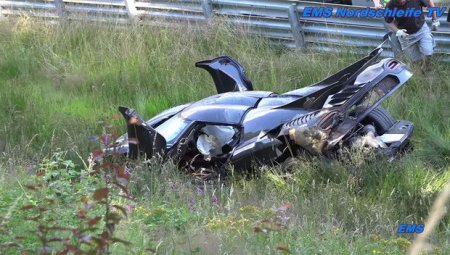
(410, 47)
(412, 52)
(426, 64)
(426, 46)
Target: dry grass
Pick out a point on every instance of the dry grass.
(437, 212)
(58, 81)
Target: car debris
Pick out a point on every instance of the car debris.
(214, 140)
(243, 127)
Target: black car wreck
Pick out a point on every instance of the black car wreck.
(241, 127)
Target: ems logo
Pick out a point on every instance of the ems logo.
(410, 228)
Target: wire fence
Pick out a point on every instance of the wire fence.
(280, 20)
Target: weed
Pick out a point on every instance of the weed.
(57, 81)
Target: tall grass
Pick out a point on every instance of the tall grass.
(58, 81)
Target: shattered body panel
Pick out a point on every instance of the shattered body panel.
(242, 127)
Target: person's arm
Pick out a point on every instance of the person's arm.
(377, 4)
(435, 21)
(431, 4)
(390, 21)
(392, 26)
(401, 33)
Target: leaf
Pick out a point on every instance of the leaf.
(123, 188)
(97, 153)
(100, 194)
(108, 166)
(91, 229)
(150, 250)
(101, 243)
(116, 116)
(55, 239)
(257, 229)
(271, 225)
(72, 248)
(123, 181)
(63, 252)
(36, 218)
(116, 154)
(113, 217)
(85, 238)
(82, 214)
(123, 175)
(105, 235)
(93, 221)
(42, 228)
(89, 205)
(85, 199)
(110, 227)
(283, 247)
(122, 209)
(50, 200)
(27, 207)
(284, 207)
(105, 139)
(10, 244)
(31, 187)
(117, 240)
(127, 197)
(57, 228)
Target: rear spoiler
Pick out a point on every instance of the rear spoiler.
(331, 84)
(228, 75)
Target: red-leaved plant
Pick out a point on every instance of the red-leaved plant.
(93, 223)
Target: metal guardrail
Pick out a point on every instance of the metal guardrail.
(280, 20)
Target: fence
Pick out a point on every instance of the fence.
(279, 20)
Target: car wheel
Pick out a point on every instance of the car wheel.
(288, 164)
(381, 119)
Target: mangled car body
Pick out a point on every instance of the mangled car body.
(241, 126)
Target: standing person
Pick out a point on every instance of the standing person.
(413, 33)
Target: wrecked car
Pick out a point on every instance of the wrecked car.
(243, 127)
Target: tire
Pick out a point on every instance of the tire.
(288, 164)
(381, 119)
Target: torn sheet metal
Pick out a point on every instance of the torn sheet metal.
(310, 138)
(211, 142)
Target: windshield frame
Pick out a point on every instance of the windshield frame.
(186, 124)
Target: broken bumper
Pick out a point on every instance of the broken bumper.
(397, 137)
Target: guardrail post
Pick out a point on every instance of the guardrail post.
(296, 27)
(207, 8)
(131, 9)
(59, 5)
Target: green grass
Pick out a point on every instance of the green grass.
(58, 81)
